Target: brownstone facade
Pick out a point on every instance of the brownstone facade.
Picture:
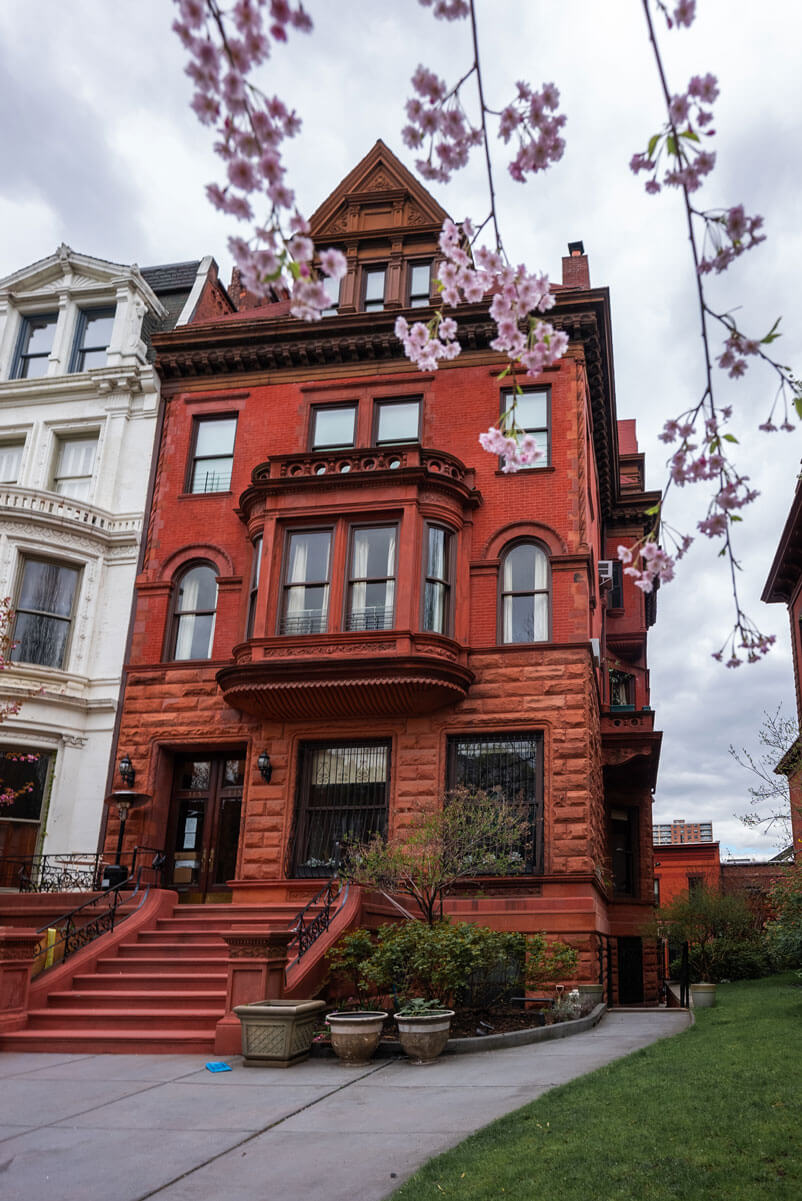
(338, 577)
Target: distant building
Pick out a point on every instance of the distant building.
(680, 831)
(79, 399)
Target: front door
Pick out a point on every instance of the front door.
(205, 819)
(630, 971)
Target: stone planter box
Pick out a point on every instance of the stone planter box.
(277, 1034)
(592, 992)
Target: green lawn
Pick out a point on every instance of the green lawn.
(714, 1114)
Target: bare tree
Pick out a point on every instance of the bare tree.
(770, 803)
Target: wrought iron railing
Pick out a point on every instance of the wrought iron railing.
(75, 871)
(84, 923)
(316, 917)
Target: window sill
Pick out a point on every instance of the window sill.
(547, 469)
(204, 495)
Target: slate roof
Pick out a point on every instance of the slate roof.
(172, 283)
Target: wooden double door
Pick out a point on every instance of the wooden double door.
(205, 822)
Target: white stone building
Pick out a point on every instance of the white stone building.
(79, 401)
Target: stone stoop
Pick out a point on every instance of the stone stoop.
(162, 992)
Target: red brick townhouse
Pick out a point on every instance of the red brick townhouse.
(345, 607)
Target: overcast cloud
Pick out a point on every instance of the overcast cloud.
(100, 151)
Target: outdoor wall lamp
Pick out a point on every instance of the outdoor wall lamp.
(265, 766)
(126, 770)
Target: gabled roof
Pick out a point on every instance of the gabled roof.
(68, 268)
(378, 178)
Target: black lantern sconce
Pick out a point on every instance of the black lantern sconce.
(126, 770)
(265, 767)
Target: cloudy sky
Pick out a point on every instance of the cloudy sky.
(100, 151)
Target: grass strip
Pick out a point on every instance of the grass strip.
(715, 1112)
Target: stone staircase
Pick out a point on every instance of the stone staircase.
(163, 991)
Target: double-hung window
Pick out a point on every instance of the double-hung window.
(213, 454)
(34, 346)
(305, 604)
(373, 283)
(531, 415)
(333, 426)
(92, 337)
(525, 594)
(397, 421)
(74, 466)
(195, 609)
(420, 275)
(332, 289)
(44, 612)
(371, 582)
(437, 580)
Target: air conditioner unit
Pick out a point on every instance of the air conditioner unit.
(605, 572)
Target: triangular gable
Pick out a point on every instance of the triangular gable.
(378, 195)
(74, 272)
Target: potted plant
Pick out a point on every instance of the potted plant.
(277, 1034)
(355, 1033)
(423, 1028)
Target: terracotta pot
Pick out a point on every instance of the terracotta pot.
(277, 1034)
(703, 996)
(425, 1035)
(355, 1036)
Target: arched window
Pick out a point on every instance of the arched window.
(525, 594)
(193, 620)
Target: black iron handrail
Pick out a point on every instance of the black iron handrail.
(74, 934)
(307, 930)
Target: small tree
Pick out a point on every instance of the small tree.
(703, 919)
(778, 738)
(473, 834)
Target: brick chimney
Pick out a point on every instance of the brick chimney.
(576, 271)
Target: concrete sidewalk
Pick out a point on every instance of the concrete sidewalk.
(126, 1127)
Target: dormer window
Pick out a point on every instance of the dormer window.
(420, 277)
(374, 280)
(92, 338)
(34, 346)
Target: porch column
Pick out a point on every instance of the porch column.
(257, 960)
(18, 948)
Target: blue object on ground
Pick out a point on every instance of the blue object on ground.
(218, 1067)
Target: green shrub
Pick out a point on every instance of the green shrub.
(456, 961)
(784, 931)
(729, 959)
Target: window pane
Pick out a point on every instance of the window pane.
(198, 590)
(38, 336)
(48, 588)
(374, 287)
(98, 324)
(194, 637)
(39, 639)
(419, 278)
(434, 607)
(374, 553)
(438, 543)
(74, 467)
(309, 557)
(508, 764)
(10, 461)
(16, 773)
(306, 603)
(334, 427)
(215, 438)
(212, 475)
(531, 409)
(398, 422)
(332, 290)
(519, 569)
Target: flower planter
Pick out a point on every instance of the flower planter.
(424, 1035)
(277, 1034)
(592, 992)
(703, 996)
(355, 1036)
